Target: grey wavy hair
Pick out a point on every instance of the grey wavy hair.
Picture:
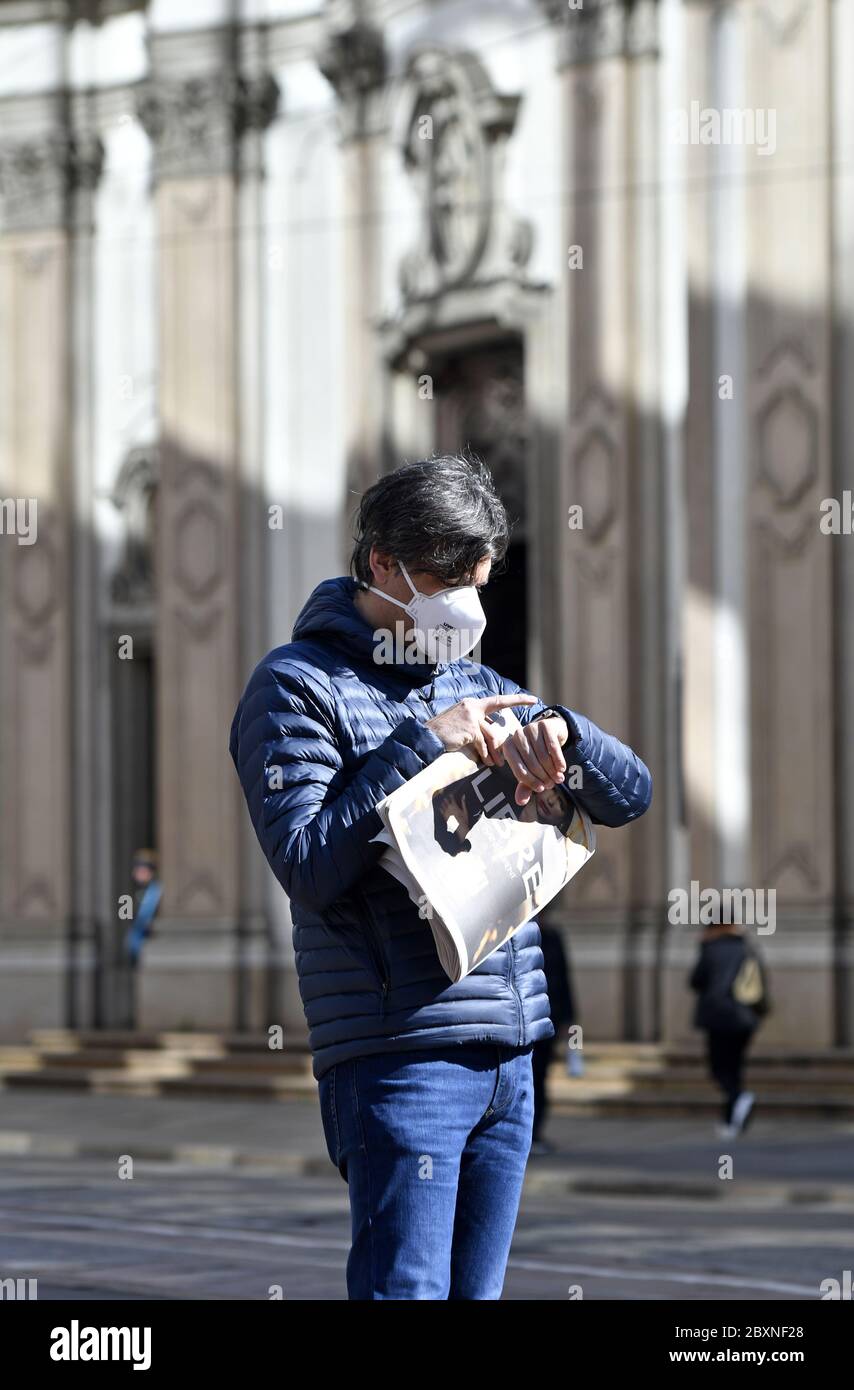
(442, 515)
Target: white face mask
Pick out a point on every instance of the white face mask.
(447, 624)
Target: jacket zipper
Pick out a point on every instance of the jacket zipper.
(375, 948)
(430, 696)
(512, 983)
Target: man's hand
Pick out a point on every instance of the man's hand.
(465, 725)
(535, 756)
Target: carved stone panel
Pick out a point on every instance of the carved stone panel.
(35, 743)
(457, 130)
(790, 624)
(197, 574)
(789, 341)
(598, 672)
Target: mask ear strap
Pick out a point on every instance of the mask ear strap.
(388, 598)
(408, 580)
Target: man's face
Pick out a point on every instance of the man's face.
(551, 805)
(548, 807)
(142, 874)
(390, 578)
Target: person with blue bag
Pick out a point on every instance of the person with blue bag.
(147, 895)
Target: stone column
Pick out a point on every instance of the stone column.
(699, 183)
(611, 566)
(651, 675)
(790, 560)
(197, 109)
(842, 116)
(88, 738)
(696, 167)
(266, 983)
(353, 60)
(44, 940)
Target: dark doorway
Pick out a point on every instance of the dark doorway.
(480, 400)
(505, 602)
(133, 800)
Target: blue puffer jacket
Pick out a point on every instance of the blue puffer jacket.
(322, 734)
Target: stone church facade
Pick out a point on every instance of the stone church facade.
(250, 257)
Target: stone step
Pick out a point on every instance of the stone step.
(93, 1078)
(195, 1044)
(111, 1040)
(619, 1078)
(569, 1095)
(841, 1059)
(839, 1106)
(274, 1063)
(646, 1078)
(115, 1081)
(641, 1054)
(19, 1059)
(130, 1060)
(152, 1059)
(249, 1085)
(688, 1054)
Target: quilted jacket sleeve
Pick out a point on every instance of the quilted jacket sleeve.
(616, 786)
(315, 826)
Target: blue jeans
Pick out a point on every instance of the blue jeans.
(433, 1145)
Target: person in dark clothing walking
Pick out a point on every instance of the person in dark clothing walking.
(556, 971)
(731, 985)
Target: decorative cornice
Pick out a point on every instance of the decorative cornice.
(354, 61)
(556, 10)
(40, 173)
(604, 29)
(195, 124)
(783, 22)
(65, 11)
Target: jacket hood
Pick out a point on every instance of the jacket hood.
(330, 613)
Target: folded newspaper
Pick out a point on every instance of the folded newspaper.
(478, 865)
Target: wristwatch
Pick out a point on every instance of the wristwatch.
(552, 713)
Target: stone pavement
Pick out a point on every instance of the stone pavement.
(780, 1160)
(230, 1199)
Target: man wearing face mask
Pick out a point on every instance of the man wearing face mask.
(426, 1088)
